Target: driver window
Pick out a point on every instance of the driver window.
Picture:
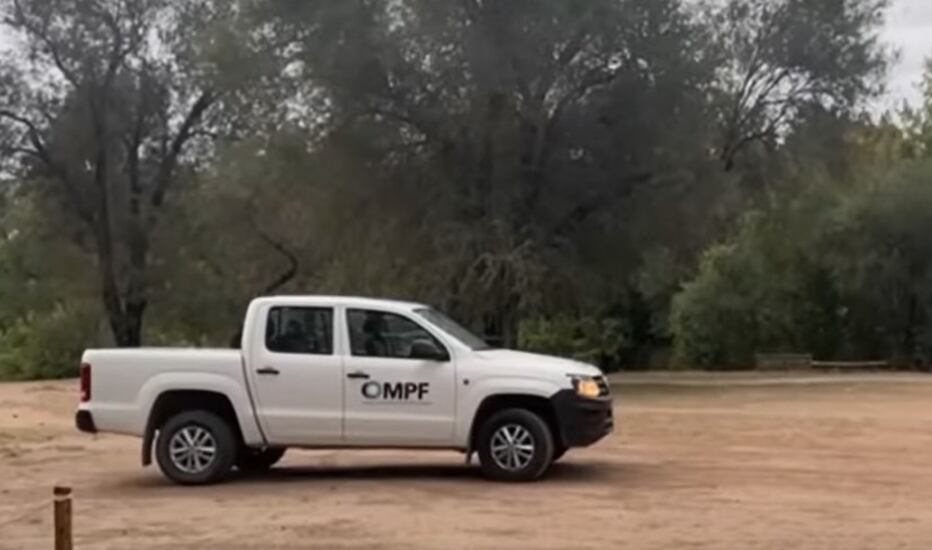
(380, 334)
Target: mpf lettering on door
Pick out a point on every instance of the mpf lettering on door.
(395, 391)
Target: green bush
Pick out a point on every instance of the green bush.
(46, 345)
(599, 341)
(712, 317)
(841, 276)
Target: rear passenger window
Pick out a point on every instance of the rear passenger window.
(300, 330)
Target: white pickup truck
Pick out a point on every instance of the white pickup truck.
(334, 372)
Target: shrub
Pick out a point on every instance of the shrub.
(841, 276)
(46, 345)
(599, 341)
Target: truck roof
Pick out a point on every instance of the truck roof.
(346, 301)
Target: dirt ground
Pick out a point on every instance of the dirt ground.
(840, 464)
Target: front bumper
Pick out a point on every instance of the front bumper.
(582, 421)
(85, 422)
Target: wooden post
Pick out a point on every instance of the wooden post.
(63, 540)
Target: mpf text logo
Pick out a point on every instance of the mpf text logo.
(397, 391)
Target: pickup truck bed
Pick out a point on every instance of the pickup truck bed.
(127, 383)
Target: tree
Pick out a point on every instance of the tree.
(771, 288)
(49, 312)
(918, 119)
(105, 105)
(778, 57)
(548, 170)
(514, 112)
(839, 271)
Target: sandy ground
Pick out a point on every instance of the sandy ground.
(842, 465)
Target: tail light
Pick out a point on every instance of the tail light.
(85, 382)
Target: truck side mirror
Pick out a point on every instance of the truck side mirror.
(428, 351)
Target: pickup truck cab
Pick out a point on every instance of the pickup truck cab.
(339, 372)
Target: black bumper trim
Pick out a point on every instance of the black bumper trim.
(85, 422)
(582, 421)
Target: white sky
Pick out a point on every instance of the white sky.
(909, 30)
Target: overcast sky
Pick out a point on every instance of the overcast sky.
(909, 29)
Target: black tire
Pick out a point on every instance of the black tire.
(223, 442)
(251, 460)
(541, 457)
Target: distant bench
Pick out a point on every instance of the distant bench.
(802, 361)
(852, 365)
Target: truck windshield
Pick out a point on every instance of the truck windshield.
(454, 329)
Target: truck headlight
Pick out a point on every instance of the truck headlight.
(586, 386)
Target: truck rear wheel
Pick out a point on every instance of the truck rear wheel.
(251, 460)
(195, 448)
(515, 445)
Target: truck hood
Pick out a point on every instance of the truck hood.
(537, 362)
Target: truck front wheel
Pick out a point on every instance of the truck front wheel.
(515, 445)
(195, 448)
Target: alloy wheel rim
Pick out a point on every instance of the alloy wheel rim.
(192, 449)
(512, 447)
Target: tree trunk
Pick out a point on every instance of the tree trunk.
(501, 324)
(127, 325)
(509, 322)
(909, 339)
(125, 306)
(125, 315)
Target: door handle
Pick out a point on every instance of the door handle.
(358, 376)
(268, 371)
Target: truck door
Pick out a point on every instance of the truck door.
(297, 378)
(395, 392)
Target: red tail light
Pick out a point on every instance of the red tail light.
(85, 382)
